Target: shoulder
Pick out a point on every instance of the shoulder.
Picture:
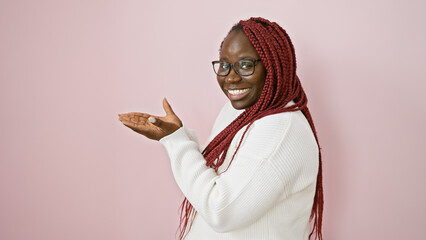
(286, 142)
(282, 134)
(267, 133)
(281, 123)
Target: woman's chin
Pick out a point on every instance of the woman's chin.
(239, 105)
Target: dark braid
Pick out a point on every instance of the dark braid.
(282, 85)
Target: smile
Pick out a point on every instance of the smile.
(238, 91)
(237, 94)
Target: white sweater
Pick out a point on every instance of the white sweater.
(268, 190)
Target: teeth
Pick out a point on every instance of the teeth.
(239, 91)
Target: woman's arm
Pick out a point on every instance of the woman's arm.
(276, 158)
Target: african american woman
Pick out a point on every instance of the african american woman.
(259, 177)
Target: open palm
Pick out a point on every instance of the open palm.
(150, 126)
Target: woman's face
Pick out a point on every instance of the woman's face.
(242, 91)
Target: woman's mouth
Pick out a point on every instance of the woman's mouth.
(237, 94)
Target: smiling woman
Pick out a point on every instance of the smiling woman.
(260, 176)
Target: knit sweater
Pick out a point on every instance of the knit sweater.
(268, 190)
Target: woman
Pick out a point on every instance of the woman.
(260, 175)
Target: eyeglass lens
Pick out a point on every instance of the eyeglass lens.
(243, 67)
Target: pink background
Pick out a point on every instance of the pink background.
(70, 170)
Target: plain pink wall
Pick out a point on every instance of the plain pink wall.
(70, 170)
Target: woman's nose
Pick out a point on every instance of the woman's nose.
(233, 76)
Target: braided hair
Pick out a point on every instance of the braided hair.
(282, 85)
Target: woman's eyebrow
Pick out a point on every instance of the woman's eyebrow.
(240, 57)
(247, 57)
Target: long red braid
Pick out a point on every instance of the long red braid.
(281, 86)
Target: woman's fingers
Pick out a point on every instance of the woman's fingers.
(170, 115)
(143, 115)
(127, 121)
(139, 121)
(167, 107)
(130, 120)
(123, 118)
(134, 117)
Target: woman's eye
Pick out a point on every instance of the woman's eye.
(246, 65)
(224, 65)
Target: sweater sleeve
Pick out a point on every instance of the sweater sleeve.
(271, 162)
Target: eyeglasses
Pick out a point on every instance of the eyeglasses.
(243, 67)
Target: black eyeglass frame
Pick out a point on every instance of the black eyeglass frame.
(235, 69)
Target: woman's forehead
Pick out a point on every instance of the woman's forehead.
(237, 45)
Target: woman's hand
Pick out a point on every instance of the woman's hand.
(152, 127)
